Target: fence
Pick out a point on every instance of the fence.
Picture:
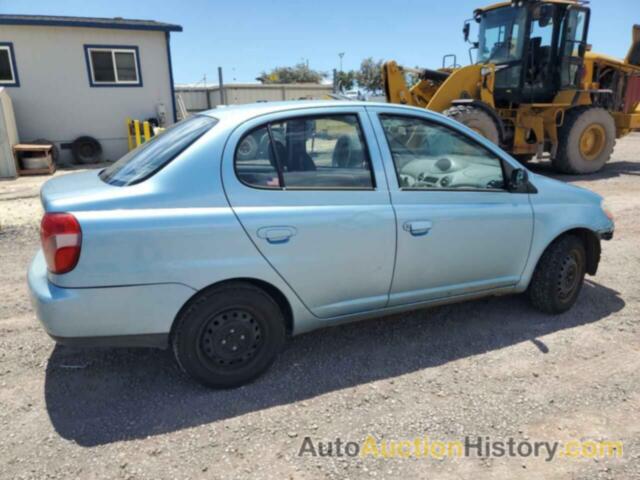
(197, 99)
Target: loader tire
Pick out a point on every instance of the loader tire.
(476, 119)
(586, 141)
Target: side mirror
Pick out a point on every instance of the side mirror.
(519, 178)
(466, 30)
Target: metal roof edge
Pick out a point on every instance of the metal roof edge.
(116, 25)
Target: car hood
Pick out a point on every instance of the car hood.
(558, 190)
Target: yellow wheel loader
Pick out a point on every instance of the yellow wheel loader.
(535, 87)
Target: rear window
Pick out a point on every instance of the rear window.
(143, 162)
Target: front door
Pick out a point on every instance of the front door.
(312, 196)
(459, 230)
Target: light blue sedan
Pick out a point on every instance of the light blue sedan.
(242, 225)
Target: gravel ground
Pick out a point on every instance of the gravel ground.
(493, 368)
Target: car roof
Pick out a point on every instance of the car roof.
(251, 110)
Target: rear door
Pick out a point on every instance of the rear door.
(312, 196)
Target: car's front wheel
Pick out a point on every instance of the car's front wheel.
(228, 335)
(559, 275)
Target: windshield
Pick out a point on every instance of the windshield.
(501, 35)
(142, 162)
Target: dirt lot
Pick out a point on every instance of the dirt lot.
(491, 368)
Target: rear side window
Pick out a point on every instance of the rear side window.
(255, 161)
(143, 162)
(319, 152)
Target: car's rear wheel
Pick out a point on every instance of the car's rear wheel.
(559, 275)
(229, 335)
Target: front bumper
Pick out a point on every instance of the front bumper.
(139, 315)
(606, 234)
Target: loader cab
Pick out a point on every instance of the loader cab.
(537, 48)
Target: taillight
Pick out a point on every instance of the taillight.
(61, 239)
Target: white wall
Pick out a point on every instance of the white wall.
(55, 100)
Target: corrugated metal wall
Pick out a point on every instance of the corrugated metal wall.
(196, 99)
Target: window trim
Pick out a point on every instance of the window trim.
(113, 49)
(460, 132)
(15, 81)
(280, 173)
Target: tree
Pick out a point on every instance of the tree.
(300, 73)
(370, 75)
(346, 80)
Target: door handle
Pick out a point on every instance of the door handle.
(275, 235)
(417, 228)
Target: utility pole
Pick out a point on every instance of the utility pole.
(223, 94)
(206, 92)
(341, 54)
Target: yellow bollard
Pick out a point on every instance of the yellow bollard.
(147, 131)
(136, 128)
(129, 133)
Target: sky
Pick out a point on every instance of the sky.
(246, 37)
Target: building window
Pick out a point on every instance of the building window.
(8, 70)
(112, 66)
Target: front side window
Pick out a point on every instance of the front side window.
(501, 35)
(144, 161)
(8, 71)
(113, 66)
(320, 152)
(430, 156)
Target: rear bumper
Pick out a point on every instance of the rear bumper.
(127, 316)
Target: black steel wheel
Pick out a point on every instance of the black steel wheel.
(230, 339)
(228, 335)
(570, 269)
(559, 275)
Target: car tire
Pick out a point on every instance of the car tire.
(559, 275)
(248, 148)
(586, 141)
(86, 150)
(55, 151)
(228, 335)
(476, 119)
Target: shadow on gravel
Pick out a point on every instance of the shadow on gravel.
(610, 170)
(101, 396)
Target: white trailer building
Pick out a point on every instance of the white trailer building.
(70, 77)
